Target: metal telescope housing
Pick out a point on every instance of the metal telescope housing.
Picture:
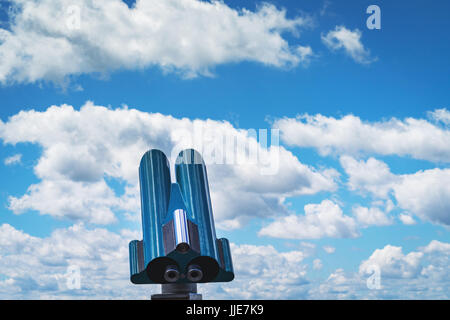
(179, 243)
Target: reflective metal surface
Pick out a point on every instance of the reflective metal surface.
(181, 230)
(154, 177)
(179, 243)
(193, 180)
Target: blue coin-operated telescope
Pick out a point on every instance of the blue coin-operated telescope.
(180, 248)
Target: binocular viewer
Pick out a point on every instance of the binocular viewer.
(179, 243)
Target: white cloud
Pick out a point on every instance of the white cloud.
(317, 264)
(320, 220)
(91, 202)
(416, 138)
(440, 115)
(305, 53)
(370, 176)
(338, 277)
(350, 41)
(325, 7)
(264, 273)
(338, 285)
(83, 150)
(420, 274)
(14, 159)
(36, 268)
(329, 249)
(12, 239)
(389, 205)
(406, 219)
(51, 41)
(425, 193)
(371, 216)
(437, 246)
(428, 263)
(393, 263)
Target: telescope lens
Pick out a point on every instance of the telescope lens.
(172, 274)
(194, 273)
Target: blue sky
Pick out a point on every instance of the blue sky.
(364, 140)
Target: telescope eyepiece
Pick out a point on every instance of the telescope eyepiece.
(171, 274)
(194, 273)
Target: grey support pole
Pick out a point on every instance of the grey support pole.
(178, 291)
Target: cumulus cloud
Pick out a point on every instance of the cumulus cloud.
(262, 272)
(437, 247)
(338, 285)
(425, 193)
(371, 216)
(329, 249)
(350, 42)
(406, 219)
(317, 264)
(90, 202)
(428, 263)
(419, 274)
(416, 138)
(440, 115)
(305, 53)
(14, 159)
(393, 263)
(372, 176)
(51, 41)
(83, 150)
(36, 268)
(325, 219)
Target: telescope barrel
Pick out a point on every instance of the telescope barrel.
(154, 177)
(193, 180)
